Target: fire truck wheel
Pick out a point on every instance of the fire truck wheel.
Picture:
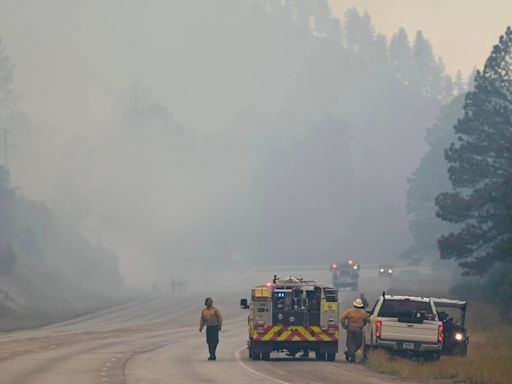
(331, 356)
(320, 356)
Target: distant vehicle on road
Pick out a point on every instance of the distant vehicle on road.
(345, 275)
(455, 335)
(386, 270)
(293, 315)
(405, 325)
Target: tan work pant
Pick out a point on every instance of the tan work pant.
(354, 341)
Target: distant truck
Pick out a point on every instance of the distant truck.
(405, 325)
(385, 270)
(345, 275)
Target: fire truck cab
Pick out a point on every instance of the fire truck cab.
(293, 315)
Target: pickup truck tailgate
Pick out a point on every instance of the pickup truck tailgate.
(392, 329)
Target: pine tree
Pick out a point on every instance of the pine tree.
(430, 179)
(424, 62)
(447, 89)
(359, 32)
(480, 170)
(7, 95)
(400, 55)
(459, 84)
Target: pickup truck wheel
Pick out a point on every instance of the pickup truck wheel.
(432, 356)
(331, 356)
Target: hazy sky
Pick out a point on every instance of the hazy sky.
(257, 101)
(461, 31)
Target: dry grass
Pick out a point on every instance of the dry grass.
(489, 361)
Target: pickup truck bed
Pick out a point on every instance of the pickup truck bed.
(414, 330)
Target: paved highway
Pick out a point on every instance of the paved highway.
(156, 340)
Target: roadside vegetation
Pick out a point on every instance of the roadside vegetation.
(489, 359)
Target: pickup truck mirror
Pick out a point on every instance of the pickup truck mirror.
(243, 304)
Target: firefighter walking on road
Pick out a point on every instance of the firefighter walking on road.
(212, 318)
(354, 320)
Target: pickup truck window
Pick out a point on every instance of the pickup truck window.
(404, 308)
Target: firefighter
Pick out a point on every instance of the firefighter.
(354, 320)
(212, 318)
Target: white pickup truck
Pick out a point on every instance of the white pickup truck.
(405, 324)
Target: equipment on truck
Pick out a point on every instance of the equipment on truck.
(345, 274)
(293, 315)
(453, 315)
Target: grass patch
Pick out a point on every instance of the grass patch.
(489, 361)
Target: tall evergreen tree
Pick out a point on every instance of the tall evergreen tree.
(481, 170)
(6, 79)
(359, 31)
(400, 55)
(430, 179)
(460, 86)
(7, 95)
(424, 62)
(447, 91)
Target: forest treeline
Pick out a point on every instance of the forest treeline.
(262, 132)
(460, 197)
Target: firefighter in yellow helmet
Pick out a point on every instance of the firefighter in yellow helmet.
(212, 318)
(354, 320)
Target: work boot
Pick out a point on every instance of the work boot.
(214, 349)
(347, 356)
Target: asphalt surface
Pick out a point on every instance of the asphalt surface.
(156, 340)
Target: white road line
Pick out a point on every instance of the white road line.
(245, 366)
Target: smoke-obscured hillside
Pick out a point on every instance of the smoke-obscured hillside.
(48, 271)
(254, 132)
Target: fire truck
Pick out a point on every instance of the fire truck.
(293, 315)
(345, 274)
